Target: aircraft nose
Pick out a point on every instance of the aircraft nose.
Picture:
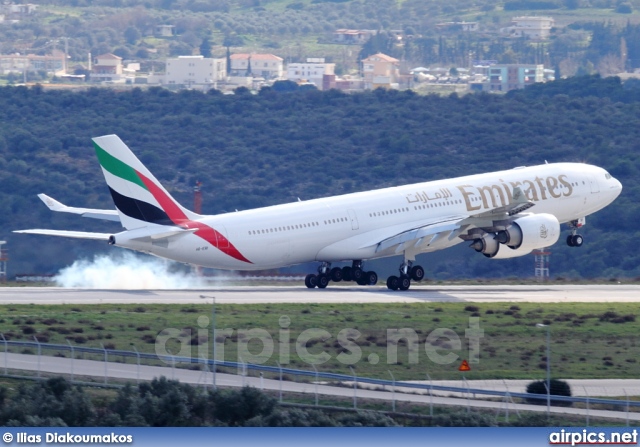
(616, 187)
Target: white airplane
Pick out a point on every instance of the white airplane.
(502, 214)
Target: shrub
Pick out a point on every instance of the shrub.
(558, 388)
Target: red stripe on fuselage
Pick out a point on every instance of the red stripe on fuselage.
(178, 217)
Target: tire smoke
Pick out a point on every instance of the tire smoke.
(126, 271)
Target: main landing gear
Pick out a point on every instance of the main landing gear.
(408, 272)
(337, 274)
(575, 239)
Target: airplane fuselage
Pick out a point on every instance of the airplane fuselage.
(349, 226)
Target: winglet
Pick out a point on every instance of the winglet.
(52, 203)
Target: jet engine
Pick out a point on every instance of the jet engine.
(487, 245)
(531, 232)
(520, 238)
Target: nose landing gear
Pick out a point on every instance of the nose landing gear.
(575, 239)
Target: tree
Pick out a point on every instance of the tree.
(610, 64)
(132, 35)
(285, 86)
(205, 47)
(235, 407)
(232, 40)
(571, 4)
(558, 388)
(380, 42)
(624, 7)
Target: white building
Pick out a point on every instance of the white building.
(463, 26)
(312, 71)
(195, 71)
(107, 67)
(532, 27)
(380, 70)
(14, 13)
(267, 66)
(15, 63)
(352, 36)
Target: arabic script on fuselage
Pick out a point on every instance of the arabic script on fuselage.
(500, 194)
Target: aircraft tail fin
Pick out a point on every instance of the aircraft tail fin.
(139, 197)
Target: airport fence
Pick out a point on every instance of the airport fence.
(117, 356)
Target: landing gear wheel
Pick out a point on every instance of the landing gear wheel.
(371, 278)
(362, 281)
(575, 240)
(417, 273)
(311, 281)
(356, 274)
(346, 273)
(404, 283)
(392, 283)
(336, 274)
(323, 281)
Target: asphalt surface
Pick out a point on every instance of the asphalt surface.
(337, 294)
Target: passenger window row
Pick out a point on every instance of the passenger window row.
(388, 212)
(436, 204)
(284, 228)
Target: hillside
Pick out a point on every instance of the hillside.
(257, 150)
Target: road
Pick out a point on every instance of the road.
(132, 372)
(338, 294)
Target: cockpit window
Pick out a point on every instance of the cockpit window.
(607, 175)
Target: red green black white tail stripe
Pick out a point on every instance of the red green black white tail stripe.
(141, 200)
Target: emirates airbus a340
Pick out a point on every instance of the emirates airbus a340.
(502, 214)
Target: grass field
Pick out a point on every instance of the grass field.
(592, 340)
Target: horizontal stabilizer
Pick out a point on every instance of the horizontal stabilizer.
(71, 234)
(54, 205)
(160, 233)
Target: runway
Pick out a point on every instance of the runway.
(338, 294)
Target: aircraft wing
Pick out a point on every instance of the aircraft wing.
(441, 234)
(419, 238)
(71, 234)
(54, 205)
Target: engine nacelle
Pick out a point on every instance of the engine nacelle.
(506, 252)
(487, 245)
(530, 232)
(520, 238)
